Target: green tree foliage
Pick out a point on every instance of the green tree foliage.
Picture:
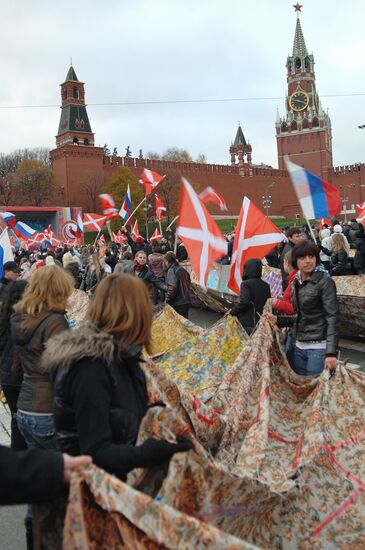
(117, 185)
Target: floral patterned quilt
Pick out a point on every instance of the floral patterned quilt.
(199, 359)
(278, 463)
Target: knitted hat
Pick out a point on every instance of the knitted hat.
(68, 259)
(140, 240)
(50, 260)
(337, 228)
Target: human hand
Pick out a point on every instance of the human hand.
(330, 363)
(73, 463)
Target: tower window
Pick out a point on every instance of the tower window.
(315, 122)
(305, 123)
(298, 63)
(86, 141)
(76, 93)
(284, 127)
(294, 125)
(307, 63)
(75, 140)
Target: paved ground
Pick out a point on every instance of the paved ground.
(11, 518)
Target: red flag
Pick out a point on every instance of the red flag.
(135, 230)
(360, 207)
(93, 222)
(160, 208)
(255, 236)
(156, 235)
(361, 217)
(200, 234)
(108, 206)
(51, 237)
(324, 221)
(150, 180)
(211, 195)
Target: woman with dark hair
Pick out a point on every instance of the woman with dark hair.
(10, 380)
(316, 313)
(144, 272)
(100, 388)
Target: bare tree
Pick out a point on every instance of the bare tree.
(35, 181)
(91, 188)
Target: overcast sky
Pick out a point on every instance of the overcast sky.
(155, 50)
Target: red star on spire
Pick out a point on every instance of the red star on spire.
(297, 7)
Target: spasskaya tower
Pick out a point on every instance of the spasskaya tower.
(304, 133)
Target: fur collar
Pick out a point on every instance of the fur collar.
(73, 345)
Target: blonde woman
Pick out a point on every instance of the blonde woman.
(100, 388)
(339, 255)
(38, 316)
(93, 275)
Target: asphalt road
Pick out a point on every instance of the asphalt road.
(12, 534)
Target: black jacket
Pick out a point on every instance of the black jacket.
(100, 401)
(30, 476)
(7, 360)
(316, 307)
(254, 293)
(339, 263)
(178, 286)
(150, 278)
(359, 259)
(181, 253)
(36, 390)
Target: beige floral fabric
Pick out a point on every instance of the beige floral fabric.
(278, 463)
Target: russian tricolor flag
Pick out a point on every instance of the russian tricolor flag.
(6, 253)
(23, 230)
(317, 198)
(9, 218)
(126, 209)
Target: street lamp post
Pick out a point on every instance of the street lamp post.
(344, 198)
(266, 199)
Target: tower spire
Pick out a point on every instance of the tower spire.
(299, 47)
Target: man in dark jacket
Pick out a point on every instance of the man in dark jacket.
(178, 285)
(254, 293)
(359, 259)
(181, 252)
(11, 272)
(35, 475)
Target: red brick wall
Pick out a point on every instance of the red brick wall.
(73, 165)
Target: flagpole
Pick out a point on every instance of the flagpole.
(109, 230)
(135, 210)
(97, 236)
(173, 221)
(159, 223)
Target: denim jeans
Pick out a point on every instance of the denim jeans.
(38, 430)
(309, 362)
(290, 348)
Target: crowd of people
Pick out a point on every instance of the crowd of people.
(82, 393)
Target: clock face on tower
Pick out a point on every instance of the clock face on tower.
(299, 101)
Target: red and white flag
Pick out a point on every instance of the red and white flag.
(211, 195)
(135, 230)
(360, 207)
(150, 180)
(93, 222)
(160, 208)
(108, 206)
(200, 234)
(155, 235)
(361, 217)
(51, 237)
(324, 221)
(255, 237)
